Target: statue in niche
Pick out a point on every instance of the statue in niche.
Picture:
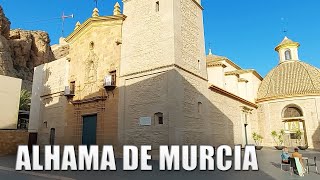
(91, 65)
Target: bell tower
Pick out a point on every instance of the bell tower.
(163, 69)
(160, 33)
(288, 50)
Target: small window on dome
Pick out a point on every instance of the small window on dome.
(287, 54)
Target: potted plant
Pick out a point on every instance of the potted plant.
(278, 139)
(258, 140)
(299, 139)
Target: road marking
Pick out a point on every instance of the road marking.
(36, 174)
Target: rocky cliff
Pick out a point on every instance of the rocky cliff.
(21, 51)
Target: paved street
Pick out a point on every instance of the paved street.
(268, 163)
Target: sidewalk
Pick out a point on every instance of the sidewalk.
(269, 164)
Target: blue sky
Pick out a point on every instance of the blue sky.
(246, 31)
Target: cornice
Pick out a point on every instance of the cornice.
(91, 21)
(235, 97)
(216, 64)
(244, 71)
(285, 97)
(243, 80)
(287, 45)
(164, 67)
(231, 73)
(199, 5)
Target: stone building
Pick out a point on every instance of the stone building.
(142, 77)
(289, 98)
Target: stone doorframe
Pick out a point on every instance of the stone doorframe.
(85, 107)
(292, 116)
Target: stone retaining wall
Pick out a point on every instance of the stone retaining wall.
(10, 139)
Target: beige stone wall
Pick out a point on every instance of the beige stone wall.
(189, 37)
(11, 139)
(48, 102)
(9, 104)
(160, 73)
(177, 94)
(232, 83)
(218, 110)
(148, 36)
(94, 54)
(270, 118)
(145, 96)
(174, 35)
(253, 85)
(216, 76)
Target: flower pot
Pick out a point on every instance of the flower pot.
(303, 147)
(279, 147)
(259, 147)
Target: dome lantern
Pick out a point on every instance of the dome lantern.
(288, 50)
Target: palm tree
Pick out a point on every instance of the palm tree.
(25, 100)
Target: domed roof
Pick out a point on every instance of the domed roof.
(289, 79)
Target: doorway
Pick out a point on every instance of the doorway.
(294, 126)
(89, 130)
(52, 136)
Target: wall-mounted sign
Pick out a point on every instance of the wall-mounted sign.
(145, 121)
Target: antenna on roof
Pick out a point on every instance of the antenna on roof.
(63, 17)
(96, 3)
(285, 26)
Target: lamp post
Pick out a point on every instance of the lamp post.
(246, 111)
(245, 127)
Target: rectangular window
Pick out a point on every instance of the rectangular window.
(199, 107)
(157, 6)
(159, 117)
(160, 120)
(72, 87)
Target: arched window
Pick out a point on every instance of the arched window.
(158, 117)
(292, 111)
(287, 54)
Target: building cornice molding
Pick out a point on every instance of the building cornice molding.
(199, 5)
(89, 100)
(164, 67)
(231, 73)
(100, 19)
(243, 80)
(244, 71)
(235, 97)
(289, 45)
(286, 97)
(216, 64)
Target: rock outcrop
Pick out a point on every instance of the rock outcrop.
(60, 50)
(21, 51)
(4, 24)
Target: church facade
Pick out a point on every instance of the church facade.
(142, 77)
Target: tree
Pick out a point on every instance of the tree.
(278, 137)
(25, 100)
(257, 138)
